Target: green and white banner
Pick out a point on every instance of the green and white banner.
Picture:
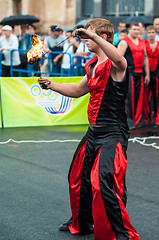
(24, 103)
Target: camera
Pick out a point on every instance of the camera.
(78, 33)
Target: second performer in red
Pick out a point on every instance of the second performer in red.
(151, 93)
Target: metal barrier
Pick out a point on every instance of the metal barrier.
(50, 64)
(30, 72)
(81, 59)
(12, 69)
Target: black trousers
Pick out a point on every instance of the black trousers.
(134, 101)
(97, 186)
(6, 71)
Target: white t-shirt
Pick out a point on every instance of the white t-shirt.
(8, 45)
(157, 37)
(68, 49)
(83, 48)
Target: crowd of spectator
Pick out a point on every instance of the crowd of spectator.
(67, 55)
(72, 52)
(64, 59)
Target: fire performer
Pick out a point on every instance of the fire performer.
(133, 49)
(97, 172)
(151, 93)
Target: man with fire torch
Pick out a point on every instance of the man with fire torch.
(97, 172)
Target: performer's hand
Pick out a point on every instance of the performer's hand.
(34, 60)
(84, 34)
(147, 79)
(45, 83)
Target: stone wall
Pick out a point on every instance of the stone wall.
(50, 12)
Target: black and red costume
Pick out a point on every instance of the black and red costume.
(135, 74)
(157, 116)
(97, 173)
(151, 91)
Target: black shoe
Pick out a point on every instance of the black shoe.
(64, 226)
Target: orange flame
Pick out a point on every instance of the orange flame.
(37, 50)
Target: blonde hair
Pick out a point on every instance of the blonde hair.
(150, 27)
(101, 26)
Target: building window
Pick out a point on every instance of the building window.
(123, 7)
(87, 8)
(17, 7)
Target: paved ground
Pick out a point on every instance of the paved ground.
(34, 189)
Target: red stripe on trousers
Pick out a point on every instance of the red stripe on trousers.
(138, 114)
(146, 104)
(157, 87)
(74, 187)
(157, 96)
(102, 227)
(132, 96)
(120, 165)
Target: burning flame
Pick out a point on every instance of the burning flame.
(37, 51)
